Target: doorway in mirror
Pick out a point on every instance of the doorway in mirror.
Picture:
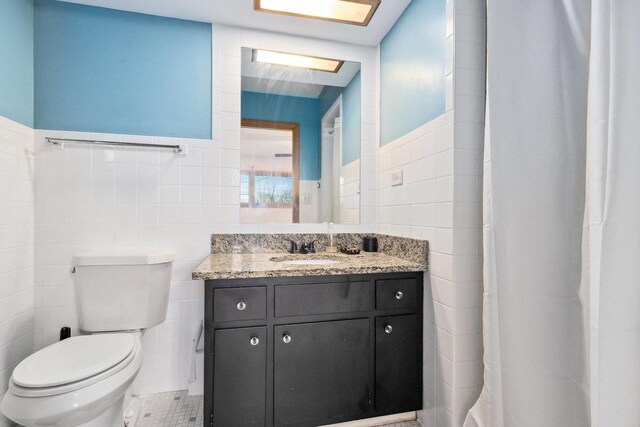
(269, 172)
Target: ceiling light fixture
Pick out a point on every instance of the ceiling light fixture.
(297, 61)
(356, 12)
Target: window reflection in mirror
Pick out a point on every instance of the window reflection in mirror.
(300, 143)
(269, 172)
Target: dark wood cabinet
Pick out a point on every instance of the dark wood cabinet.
(321, 372)
(309, 351)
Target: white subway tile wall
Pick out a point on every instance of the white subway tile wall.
(309, 193)
(17, 298)
(349, 198)
(90, 196)
(424, 207)
(410, 210)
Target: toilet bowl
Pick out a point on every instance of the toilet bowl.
(80, 381)
(83, 380)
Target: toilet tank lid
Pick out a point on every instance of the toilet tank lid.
(118, 256)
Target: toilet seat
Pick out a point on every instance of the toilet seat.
(73, 364)
(93, 401)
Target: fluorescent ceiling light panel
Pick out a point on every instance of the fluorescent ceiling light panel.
(297, 61)
(357, 12)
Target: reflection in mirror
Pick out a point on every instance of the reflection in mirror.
(300, 139)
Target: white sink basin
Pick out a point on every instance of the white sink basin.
(311, 262)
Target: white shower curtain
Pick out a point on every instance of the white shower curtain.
(614, 213)
(562, 294)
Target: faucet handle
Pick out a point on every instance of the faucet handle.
(312, 247)
(308, 248)
(294, 247)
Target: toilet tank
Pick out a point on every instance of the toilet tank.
(118, 290)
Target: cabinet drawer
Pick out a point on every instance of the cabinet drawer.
(396, 293)
(321, 298)
(239, 304)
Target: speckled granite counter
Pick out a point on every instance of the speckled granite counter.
(256, 265)
(401, 247)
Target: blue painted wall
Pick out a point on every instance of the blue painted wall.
(16, 60)
(412, 70)
(102, 70)
(351, 115)
(351, 121)
(327, 97)
(290, 109)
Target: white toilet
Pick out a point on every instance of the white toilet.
(82, 381)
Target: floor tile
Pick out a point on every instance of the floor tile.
(178, 409)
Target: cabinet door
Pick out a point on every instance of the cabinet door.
(398, 364)
(239, 386)
(321, 372)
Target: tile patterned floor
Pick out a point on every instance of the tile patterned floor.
(172, 409)
(177, 409)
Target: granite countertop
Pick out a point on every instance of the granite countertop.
(256, 265)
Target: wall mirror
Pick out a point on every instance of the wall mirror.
(299, 139)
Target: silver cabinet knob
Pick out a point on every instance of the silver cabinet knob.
(286, 339)
(254, 341)
(241, 305)
(399, 295)
(388, 329)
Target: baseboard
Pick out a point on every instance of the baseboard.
(378, 421)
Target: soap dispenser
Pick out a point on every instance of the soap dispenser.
(331, 247)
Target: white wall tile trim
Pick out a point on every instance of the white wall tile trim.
(17, 296)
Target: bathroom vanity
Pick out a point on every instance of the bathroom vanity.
(309, 345)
